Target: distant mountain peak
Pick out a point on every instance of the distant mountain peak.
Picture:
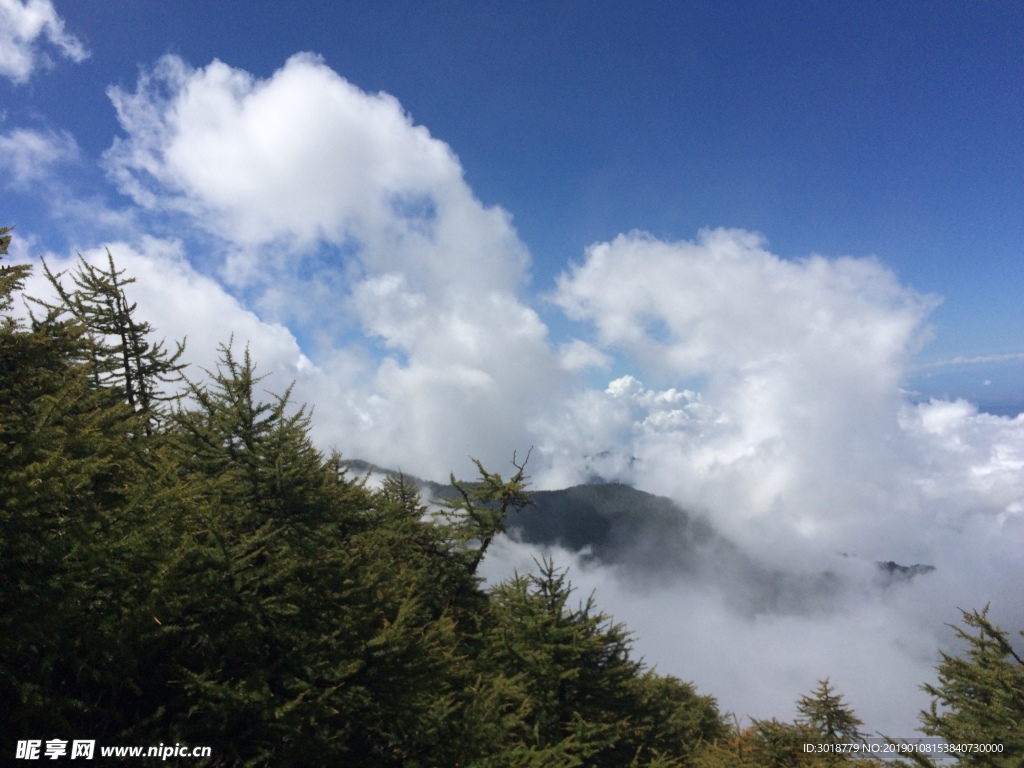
(895, 572)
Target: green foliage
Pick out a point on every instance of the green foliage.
(829, 721)
(480, 511)
(119, 349)
(982, 693)
(11, 276)
(824, 719)
(80, 500)
(825, 714)
(576, 687)
(283, 597)
(780, 744)
(979, 698)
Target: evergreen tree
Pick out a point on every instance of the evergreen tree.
(76, 533)
(12, 276)
(824, 720)
(303, 609)
(672, 719)
(828, 717)
(480, 510)
(120, 349)
(582, 694)
(830, 721)
(775, 744)
(979, 698)
(422, 542)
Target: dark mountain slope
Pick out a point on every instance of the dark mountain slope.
(651, 540)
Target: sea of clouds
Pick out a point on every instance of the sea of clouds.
(765, 393)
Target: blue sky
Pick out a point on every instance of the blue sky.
(852, 129)
(764, 259)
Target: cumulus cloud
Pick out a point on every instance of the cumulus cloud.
(27, 156)
(800, 443)
(23, 25)
(317, 189)
(801, 364)
(724, 301)
(306, 157)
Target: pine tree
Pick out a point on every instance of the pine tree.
(775, 744)
(581, 691)
(120, 349)
(480, 510)
(671, 719)
(234, 603)
(303, 610)
(831, 720)
(979, 698)
(76, 533)
(12, 276)
(824, 721)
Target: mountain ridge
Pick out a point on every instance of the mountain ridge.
(650, 539)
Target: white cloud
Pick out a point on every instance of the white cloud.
(975, 360)
(306, 157)
(800, 444)
(321, 191)
(725, 301)
(22, 24)
(578, 355)
(472, 370)
(27, 156)
(802, 362)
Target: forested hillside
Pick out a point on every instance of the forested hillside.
(179, 564)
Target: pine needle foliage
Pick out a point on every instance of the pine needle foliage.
(77, 527)
(580, 692)
(122, 355)
(480, 510)
(827, 716)
(979, 697)
(12, 276)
